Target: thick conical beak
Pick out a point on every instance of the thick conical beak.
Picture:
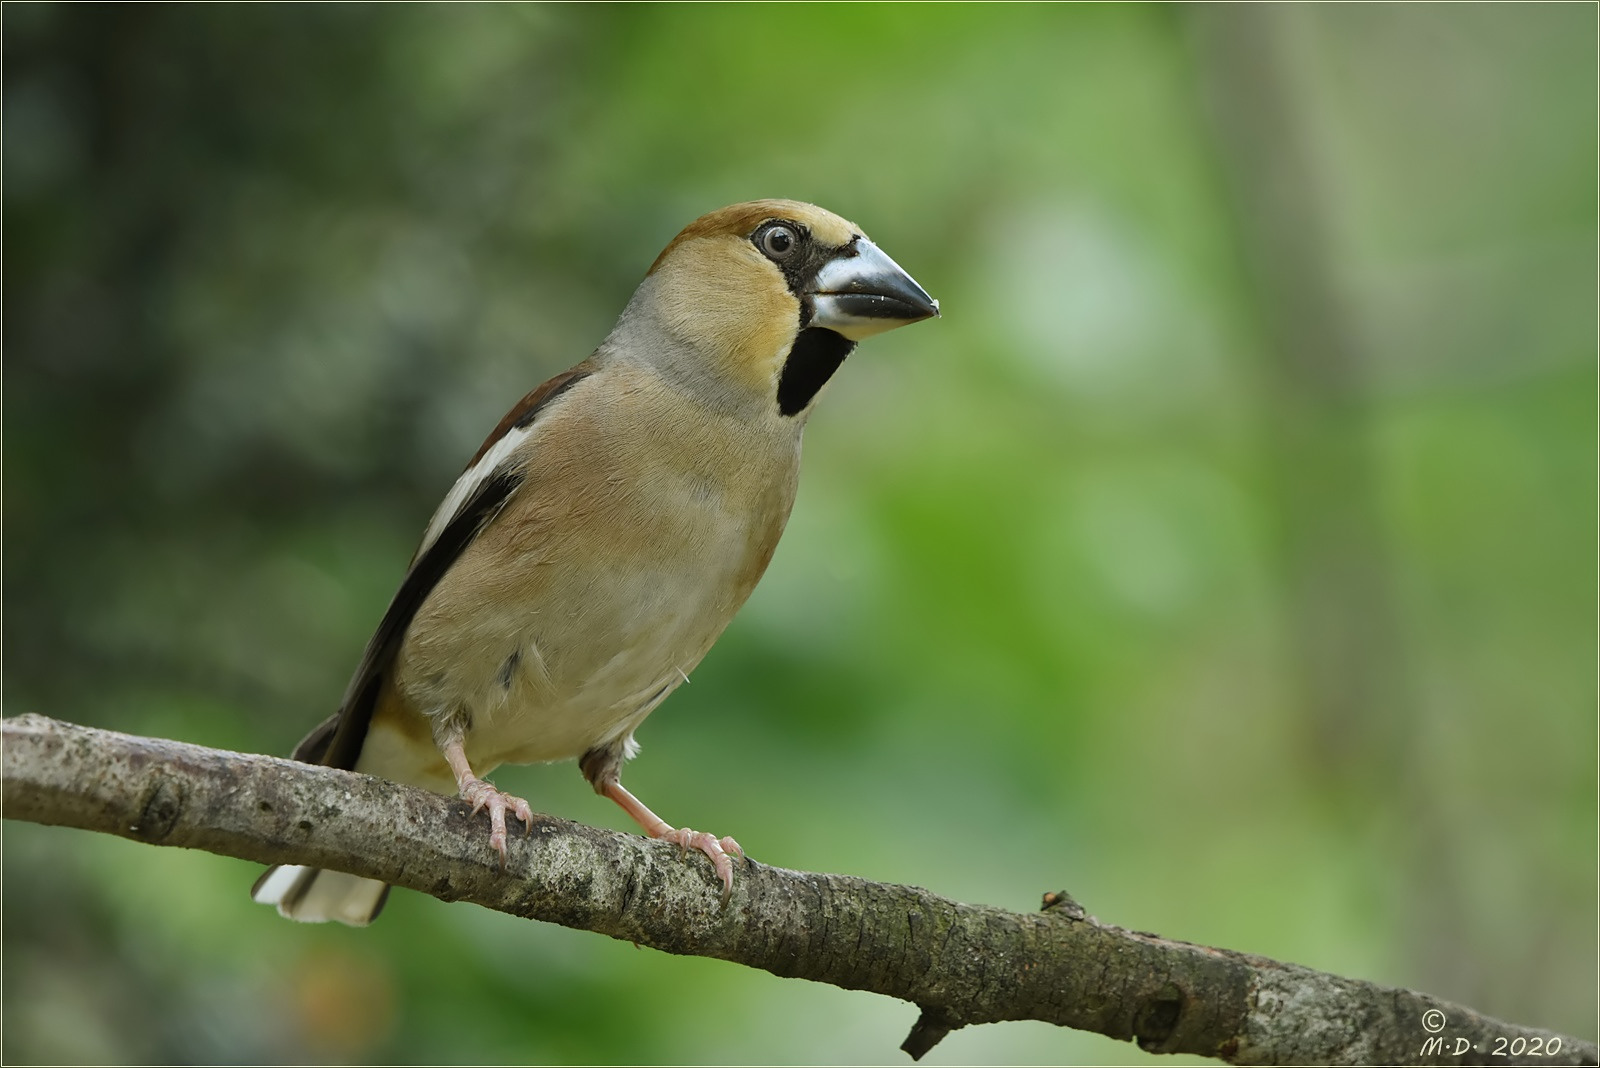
(864, 292)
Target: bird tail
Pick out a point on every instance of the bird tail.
(317, 895)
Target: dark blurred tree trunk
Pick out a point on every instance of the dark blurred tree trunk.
(1318, 394)
(1315, 391)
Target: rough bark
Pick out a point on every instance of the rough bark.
(961, 964)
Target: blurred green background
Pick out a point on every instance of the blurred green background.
(1224, 556)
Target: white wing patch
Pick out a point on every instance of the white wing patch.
(467, 485)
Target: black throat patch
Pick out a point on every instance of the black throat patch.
(814, 356)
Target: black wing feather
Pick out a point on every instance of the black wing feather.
(337, 741)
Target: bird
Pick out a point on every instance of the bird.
(606, 531)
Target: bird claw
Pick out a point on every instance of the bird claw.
(656, 827)
(484, 795)
(715, 848)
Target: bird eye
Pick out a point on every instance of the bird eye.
(777, 241)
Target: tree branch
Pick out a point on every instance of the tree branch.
(961, 964)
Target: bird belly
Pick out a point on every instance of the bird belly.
(634, 655)
(585, 645)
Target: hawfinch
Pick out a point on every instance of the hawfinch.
(607, 531)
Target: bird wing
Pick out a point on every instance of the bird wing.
(477, 497)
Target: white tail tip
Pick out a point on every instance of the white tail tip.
(316, 895)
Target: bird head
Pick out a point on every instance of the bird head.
(759, 303)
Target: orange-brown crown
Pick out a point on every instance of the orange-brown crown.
(740, 220)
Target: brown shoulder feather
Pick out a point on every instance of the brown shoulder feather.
(524, 411)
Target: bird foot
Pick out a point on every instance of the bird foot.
(484, 795)
(715, 848)
(656, 827)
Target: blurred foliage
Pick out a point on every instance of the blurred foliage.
(1225, 555)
